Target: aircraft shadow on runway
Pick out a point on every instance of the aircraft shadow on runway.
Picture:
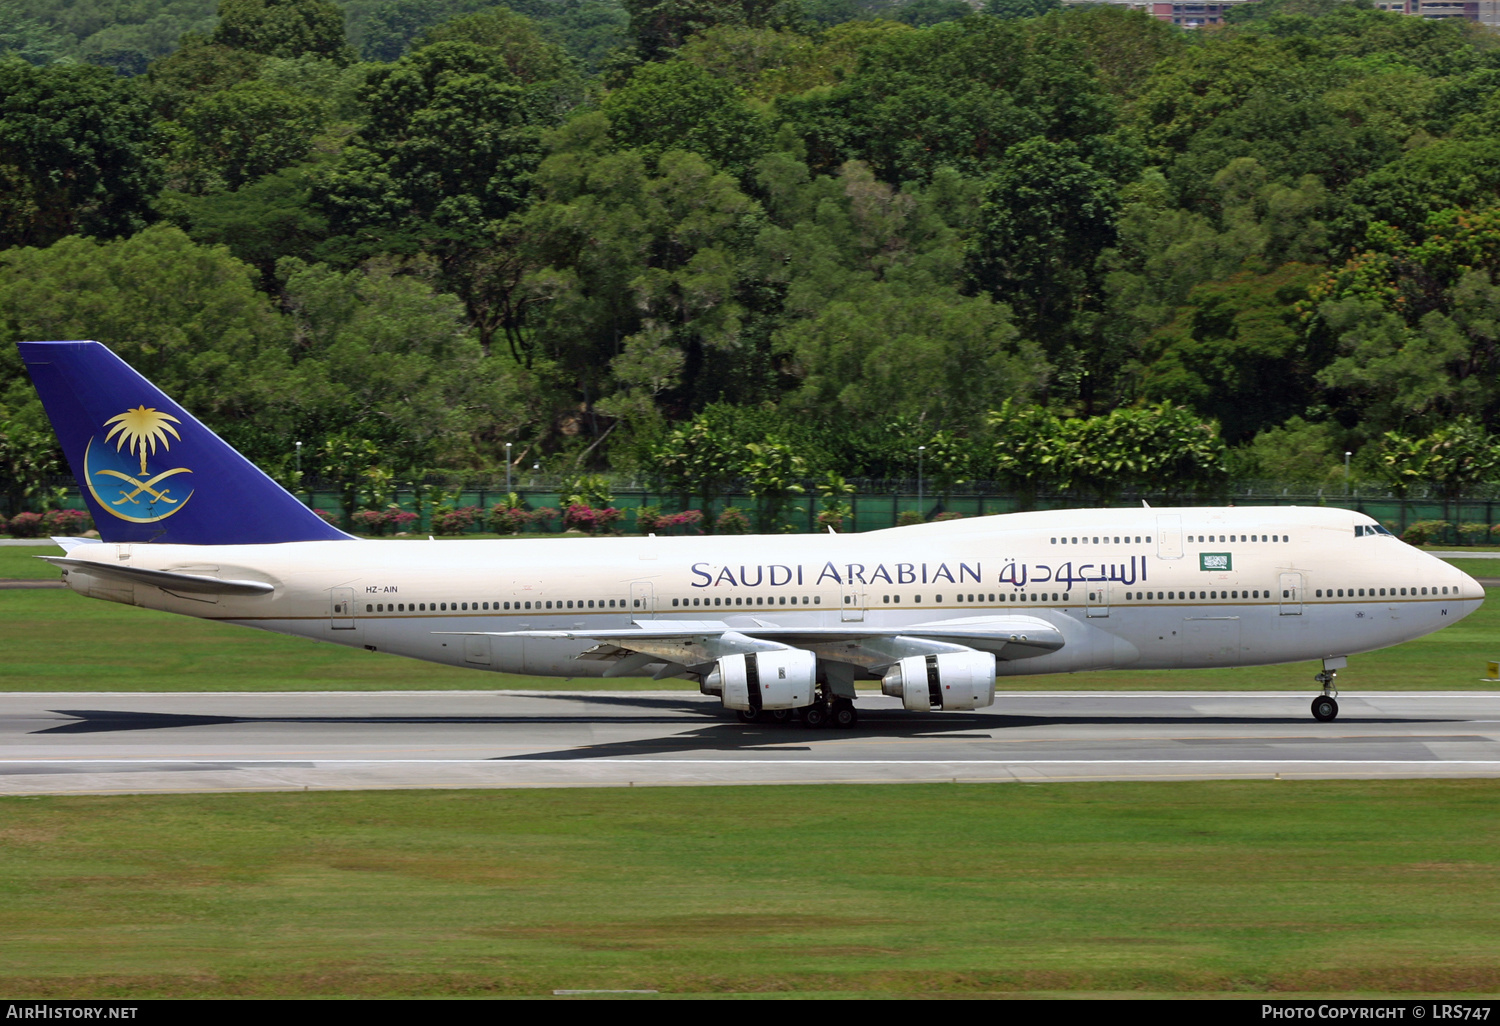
(721, 735)
(93, 721)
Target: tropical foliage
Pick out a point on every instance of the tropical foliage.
(741, 245)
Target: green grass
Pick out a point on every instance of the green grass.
(1265, 887)
(55, 640)
(19, 562)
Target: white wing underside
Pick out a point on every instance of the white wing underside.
(694, 645)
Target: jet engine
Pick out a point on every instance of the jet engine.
(954, 680)
(783, 679)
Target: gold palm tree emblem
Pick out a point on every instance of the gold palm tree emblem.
(142, 429)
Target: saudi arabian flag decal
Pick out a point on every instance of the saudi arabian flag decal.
(1215, 561)
(119, 477)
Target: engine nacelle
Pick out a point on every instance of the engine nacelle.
(954, 680)
(783, 679)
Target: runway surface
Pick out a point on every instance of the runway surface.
(107, 742)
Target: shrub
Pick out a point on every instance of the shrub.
(831, 518)
(543, 517)
(578, 517)
(66, 522)
(1425, 531)
(508, 519)
(1473, 533)
(909, 518)
(943, 517)
(647, 518)
(456, 522)
(327, 517)
(732, 521)
(689, 521)
(368, 521)
(26, 525)
(382, 522)
(509, 515)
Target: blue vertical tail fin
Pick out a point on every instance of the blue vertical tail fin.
(148, 470)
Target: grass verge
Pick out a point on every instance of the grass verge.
(1242, 887)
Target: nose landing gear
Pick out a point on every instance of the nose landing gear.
(1325, 708)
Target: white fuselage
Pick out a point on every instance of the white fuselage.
(1125, 588)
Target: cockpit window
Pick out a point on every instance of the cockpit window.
(1363, 530)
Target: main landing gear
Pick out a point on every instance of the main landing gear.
(837, 713)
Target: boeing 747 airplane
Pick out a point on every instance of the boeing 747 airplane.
(773, 625)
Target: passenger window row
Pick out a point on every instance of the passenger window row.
(1339, 592)
(1117, 540)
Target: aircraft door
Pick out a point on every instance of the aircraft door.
(1097, 596)
(341, 609)
(1169, 536)
(1291, 594)
(851, 603)
(642, 599)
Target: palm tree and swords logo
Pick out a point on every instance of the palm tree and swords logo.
(137, 497)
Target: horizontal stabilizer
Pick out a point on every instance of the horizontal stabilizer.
(169, 580)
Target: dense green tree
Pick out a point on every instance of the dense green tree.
(260, 223)
(381, 356)
(921, 13)
(73, 154)
(661, 26)
(959, 95)
(186, 316)
(242, 133)
(1046, 217)
(529, 56)
(1008, 9)
(1236, 352)
(283, 28)
(680, 106)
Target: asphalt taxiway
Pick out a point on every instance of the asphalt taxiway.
(74, 743)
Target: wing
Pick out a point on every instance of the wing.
(695, 645)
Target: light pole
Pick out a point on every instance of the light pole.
(507, 468)
(299, 467)
(921, 505)
(1346, 472)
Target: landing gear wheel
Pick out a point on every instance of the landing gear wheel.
(844, 716)
(1325, 709)
(815, 716)
(780, 715)
(749, 715)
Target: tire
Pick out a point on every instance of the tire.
(815, 716)
(1325, 709)
(844, 717)
(748, 715)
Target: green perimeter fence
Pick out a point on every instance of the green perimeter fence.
(875, 511)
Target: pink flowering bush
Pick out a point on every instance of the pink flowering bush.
(66, 522)
(543, 517)
(689, 521)
(326, 517)
(732, 521)
(583, 518)
(509, 519)
(941, 517)
(383, 522)
(456, 522)
(26, 525)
